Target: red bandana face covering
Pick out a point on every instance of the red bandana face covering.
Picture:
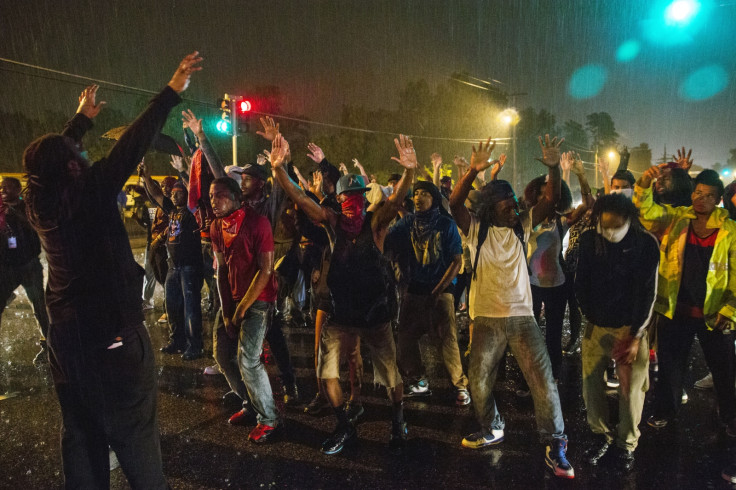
(231, 225)
(353, 214)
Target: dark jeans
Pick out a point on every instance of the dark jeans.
(280, 350)
(30, 276)
(208, 273)
(675, 337)
(183, 306)
(555, 300)
(107, 398)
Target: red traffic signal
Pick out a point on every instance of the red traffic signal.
(245, 106)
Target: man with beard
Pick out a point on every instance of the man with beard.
(100, 353)
(361, 286)
(243, 245)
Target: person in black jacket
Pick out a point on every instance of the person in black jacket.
(615, 283)
(19, 259)
(99, 350)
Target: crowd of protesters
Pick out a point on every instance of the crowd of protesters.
(647, 267)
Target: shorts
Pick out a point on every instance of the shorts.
(379, 340)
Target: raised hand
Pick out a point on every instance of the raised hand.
(550, 151)
(270, 129)
(436, 160)
(497, 166)
(480, 159)
(460, 161)
(603, 165)
(650, 174)
(566, 160)
(577, 164)
(142, 169)
(87, 105)
(261, 159)
(177, 162)
(315, 153)
(180, 80)
(357, 164)
(279, 151)
(189, 120)
(343, 168)
(407, 155)
(683, 160)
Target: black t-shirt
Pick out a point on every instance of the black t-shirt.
(183, 242)
(698, 251)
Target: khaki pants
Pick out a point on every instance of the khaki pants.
(421, 315)
(597, 346)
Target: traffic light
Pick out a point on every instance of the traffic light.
(225, 122)
(245, 106)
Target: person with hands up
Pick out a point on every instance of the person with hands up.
(361, 285)
(500, 303)
(100, 353)
(696, 292)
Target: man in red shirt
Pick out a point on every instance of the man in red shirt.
(243, 245)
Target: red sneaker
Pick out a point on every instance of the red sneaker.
(243, 417)
(262, 433)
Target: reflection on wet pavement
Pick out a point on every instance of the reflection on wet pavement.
(200, 450)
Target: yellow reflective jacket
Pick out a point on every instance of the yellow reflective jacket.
(671, 225)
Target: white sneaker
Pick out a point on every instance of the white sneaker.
(147, 305)
(705, 383)
(212, 370)
(481, 439)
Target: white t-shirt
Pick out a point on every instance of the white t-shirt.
(543, 252)
(501, 287)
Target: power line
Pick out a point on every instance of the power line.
(122, 88)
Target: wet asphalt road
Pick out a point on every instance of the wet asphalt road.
(200, 450)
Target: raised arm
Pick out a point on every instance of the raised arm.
(436, 168)
(655, 217)
(566, 160)
(497, 166)
(360, 168)
(87, 110)
(683, 159)
(588, 201)
(195, 125)
(550, 159)
(153, 190)
(132, 145)
(407, 159)
(279, 149)
(480, 160)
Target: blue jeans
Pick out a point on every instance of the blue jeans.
(183, 298)
(524, 339)
(252, 332)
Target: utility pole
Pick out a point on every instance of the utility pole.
(233, 102)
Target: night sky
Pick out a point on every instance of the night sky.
(325, 54)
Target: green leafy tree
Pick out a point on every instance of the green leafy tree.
(602, 130)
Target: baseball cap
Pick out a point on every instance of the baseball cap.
(351, 182)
